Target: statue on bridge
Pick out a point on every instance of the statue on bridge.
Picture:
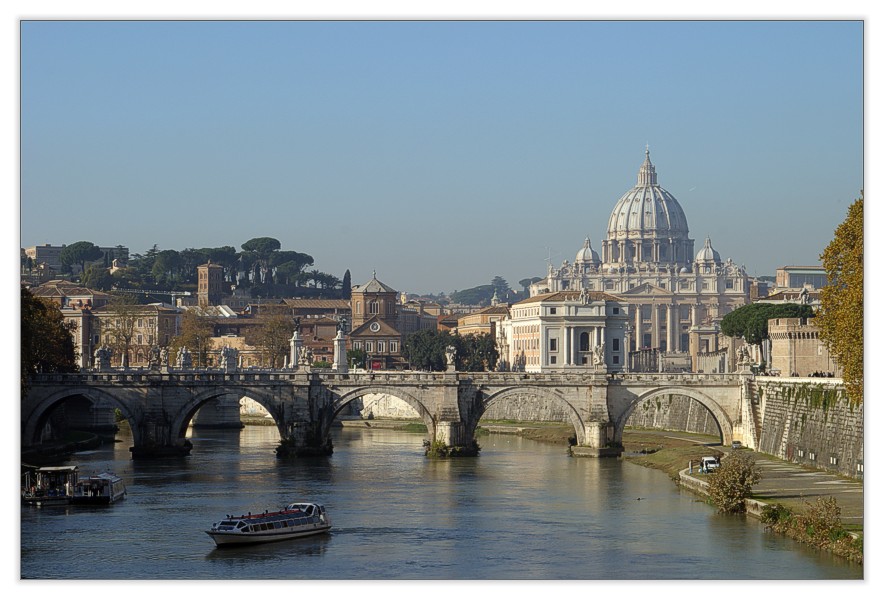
(184, 360)
(229, 358)
(153, 358)
(164, 357)
(103, 358)
(450, 355)
(598, 355)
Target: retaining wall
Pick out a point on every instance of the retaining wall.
(809, 421)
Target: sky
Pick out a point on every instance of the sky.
(441, 153)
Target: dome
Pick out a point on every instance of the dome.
(707, 253)
(587, 254)
(647, 211)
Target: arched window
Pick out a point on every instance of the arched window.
(373, 307)
(584, 342)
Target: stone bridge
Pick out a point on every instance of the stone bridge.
(160, 405)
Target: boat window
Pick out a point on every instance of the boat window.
(228, 523)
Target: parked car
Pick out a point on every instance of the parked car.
(709, 464)
(736, 445)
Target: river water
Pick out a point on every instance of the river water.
(521, 510)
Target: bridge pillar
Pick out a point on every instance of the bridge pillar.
(154, 438)
(452, 438)
(598, 441)
(305, 438)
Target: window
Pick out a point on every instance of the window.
(141, 322)
(394, 347)
(381, 346)
(552, 360)
(552, 311)
(615, 344)
(553, 344)
(374, 307)
(615, 359)
(729, 284)
(584, 342)
(369, 346)
(616, 310)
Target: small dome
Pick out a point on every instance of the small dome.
(707, 253)
(587, 254)
(684, 271)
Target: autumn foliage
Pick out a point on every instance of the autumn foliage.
(732, 482)
(841, 315)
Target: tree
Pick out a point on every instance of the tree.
(47, 345)
(425, 349)
(750, 321)
(525, 283)
(732, 482)
(346, 286)
(262, 246)
(478, 295)
(501, 287)
(476, 352)
(123, 313)
(97, 278)
(273, 335)
(79, 253)
(841, 314)
(356, 358)
(195, 333)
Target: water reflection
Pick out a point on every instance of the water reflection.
(521, 510)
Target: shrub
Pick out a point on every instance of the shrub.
(732, 482)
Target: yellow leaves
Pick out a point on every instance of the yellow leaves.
(841, 316)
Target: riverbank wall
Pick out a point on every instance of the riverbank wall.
(810, 422)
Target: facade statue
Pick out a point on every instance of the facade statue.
(164, 357)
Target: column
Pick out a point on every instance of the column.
(638, 326)
(671, 325)
(655, 326)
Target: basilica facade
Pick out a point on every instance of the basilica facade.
(675, 297)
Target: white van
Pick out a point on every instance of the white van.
(709, 464)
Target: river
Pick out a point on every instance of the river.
(521, 510)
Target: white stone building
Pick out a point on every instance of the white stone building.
(648, 260)
(564, 331)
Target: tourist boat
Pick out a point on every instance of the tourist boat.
(42, 486)
(104, 488)
(294, 521)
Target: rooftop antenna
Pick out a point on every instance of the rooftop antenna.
(549, 255)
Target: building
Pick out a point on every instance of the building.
(381, 325)
(51, 256)
(568, 330)
(483, 321)
(795, 278)
(797, 351)
(648, 261)
(209, 284)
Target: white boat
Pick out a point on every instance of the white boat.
(104, 488)
(43, 486)
(296, 520)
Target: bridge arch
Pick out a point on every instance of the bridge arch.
(725, 425)
(488, 400)
(343, 400)
(185, 414)
(33, 423)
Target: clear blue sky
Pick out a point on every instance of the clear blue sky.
(440, 154)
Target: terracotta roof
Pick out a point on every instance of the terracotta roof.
(318, 303)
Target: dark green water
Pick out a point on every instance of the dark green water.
(521, 510)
